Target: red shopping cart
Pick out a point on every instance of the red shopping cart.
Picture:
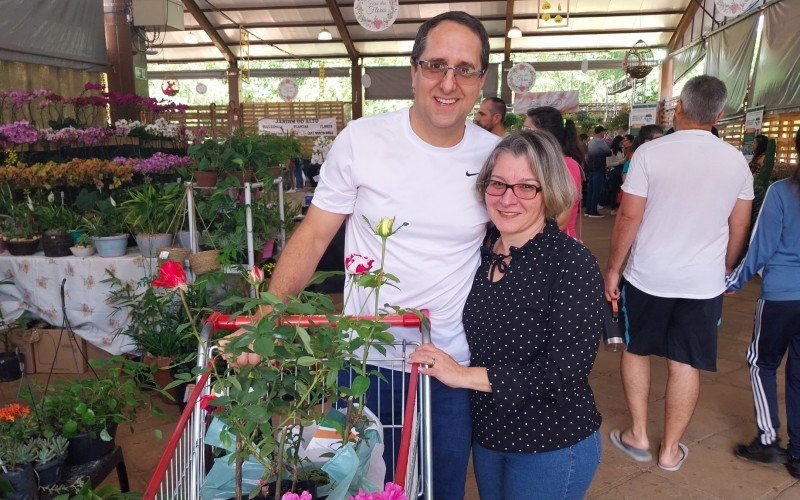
(182, 467)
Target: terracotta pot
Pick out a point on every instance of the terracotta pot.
(205, 179)
(162, 376)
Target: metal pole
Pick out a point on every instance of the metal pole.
(427, 433)
(193, 240)
(248, 217)
(279, 182)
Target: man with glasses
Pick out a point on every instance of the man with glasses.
(491, 114)
(411, 165)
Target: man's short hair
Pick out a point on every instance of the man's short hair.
(598, 129)
(498, 106)
(703, 98)
(455, 16)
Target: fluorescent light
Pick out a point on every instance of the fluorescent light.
(190, 38)
(514, 32)
(324, 35)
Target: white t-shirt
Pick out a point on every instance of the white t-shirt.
(691, 180)
(378, 167)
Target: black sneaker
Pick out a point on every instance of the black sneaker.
(765, 453)
(793, 465)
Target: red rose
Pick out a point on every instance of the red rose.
(357, 264)
(170, 275)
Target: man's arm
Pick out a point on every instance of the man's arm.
(738, 227)
(303, 251)
(629, 217)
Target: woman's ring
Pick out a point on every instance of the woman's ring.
(433, 362)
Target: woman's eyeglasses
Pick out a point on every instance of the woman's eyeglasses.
(522, 191)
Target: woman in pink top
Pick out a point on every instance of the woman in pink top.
(550, 119)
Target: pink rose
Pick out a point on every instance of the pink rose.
(357, 264)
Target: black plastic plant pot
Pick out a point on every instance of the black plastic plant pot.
(22, 247)
(56, 245)
(84, 448)
(24, 483)
(51, 472)
(9, 367)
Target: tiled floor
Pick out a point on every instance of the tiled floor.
(723, 418)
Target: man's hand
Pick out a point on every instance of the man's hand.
(611, 279)
(245, 358)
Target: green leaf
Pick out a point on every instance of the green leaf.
(360, 385)
(158, 434)
(105, 436)
(306, 360)
(264, 346)
(303, 333)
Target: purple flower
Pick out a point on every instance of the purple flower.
(93, 86)
(160, 163)
(21, 132)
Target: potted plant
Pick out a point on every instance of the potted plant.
(50, 454)
(88, 411)
(21, 237)
(208, 159)
(84, 247)
(56, 220)
(106, 227)
(17, 429)
(267, 405)
(151, 213)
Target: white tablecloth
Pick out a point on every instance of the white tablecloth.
(36, 289)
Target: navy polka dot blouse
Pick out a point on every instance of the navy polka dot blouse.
(537, 331)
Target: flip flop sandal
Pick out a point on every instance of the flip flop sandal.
(637, 454)
(677, 467)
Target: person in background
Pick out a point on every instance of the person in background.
(774, 251)
(550, 119)
(533, 318)
(759, 153)
(646, 134)
(598, 150)
(684, 217)
(490, 116)
(714, 132)
(614, 163)
(296, 175)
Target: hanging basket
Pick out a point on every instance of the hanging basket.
(204, 262)
(177, 254)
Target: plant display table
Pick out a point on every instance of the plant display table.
(36, 289)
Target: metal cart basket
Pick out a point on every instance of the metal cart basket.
(182, 467)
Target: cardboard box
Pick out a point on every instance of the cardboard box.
(24, 340)
(59, 352)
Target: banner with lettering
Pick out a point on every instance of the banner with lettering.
(305, 127)
(566, 102)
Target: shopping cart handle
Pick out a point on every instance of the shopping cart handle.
(409, 320)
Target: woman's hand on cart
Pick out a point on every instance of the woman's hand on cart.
(443, 367)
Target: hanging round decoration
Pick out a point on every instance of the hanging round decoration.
(521, 77)
(733, 8)
(170, 88)
(287, 89)
(201, 88)
(366, 81)
(376, 15)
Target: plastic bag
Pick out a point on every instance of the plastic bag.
(219, 482)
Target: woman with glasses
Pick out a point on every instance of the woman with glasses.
(550, 119)
(533, 320)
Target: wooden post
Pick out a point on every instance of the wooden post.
(234, 83)
(667, 76)
(358, 92)
(119, 45)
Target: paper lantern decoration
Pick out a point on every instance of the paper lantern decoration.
(733, 8)
(287, 89)
(170, 88)
(201, 88)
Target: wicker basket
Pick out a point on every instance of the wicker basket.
(178, 254)
(204, 262)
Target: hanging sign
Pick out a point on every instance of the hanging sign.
(752, 127)
(521, 77)
(376, 15)
(299, 127)
(287, 89)
(566, 101)
(641, 115)
(733, 8)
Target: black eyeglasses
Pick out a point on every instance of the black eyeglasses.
(522, 191)
(438, 69)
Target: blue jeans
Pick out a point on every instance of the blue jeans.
(594, 186)
(560, 474)
(451, 428)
